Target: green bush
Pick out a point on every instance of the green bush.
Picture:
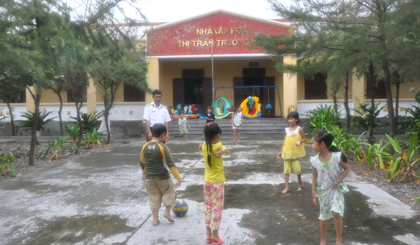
(42, 120)
(413, 122)
(93, 138)
(6, 162)
(72, 131)
(406, 159)
(90, 121)
(58, 144)
(324, 117)
(363, 121)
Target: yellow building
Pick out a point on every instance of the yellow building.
(187, 58)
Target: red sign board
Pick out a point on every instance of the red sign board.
(230, 34)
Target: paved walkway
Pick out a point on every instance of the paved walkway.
(100, 199)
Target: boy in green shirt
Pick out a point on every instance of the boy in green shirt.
(155, 161)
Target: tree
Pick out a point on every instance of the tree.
(11, 89)
(114, 66)
(13, 73)
(58, 87)
(113, 50)
(34, 24)
(362, 31)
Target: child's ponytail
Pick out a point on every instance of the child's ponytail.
(327, 138)
(323, 136)
(210, 131)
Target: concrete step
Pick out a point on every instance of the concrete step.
(250, 127)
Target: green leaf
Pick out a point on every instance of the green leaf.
(395, 168)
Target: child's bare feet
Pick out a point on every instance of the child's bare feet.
(186, 140)
(338, 243)
(239, 140)
(323, 242)
(285, 190)
(168, 216)
(155, 222)
(234, 140)
(300, 183)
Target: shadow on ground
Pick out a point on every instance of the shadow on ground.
(293, 219)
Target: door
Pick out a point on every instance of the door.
(237, 96)
(178, 92)
(207, 93)
(269, 97)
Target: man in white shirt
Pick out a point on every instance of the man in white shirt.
(156, 113)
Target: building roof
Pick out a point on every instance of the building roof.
(277, 22)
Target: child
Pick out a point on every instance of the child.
(214, 177)
(182, 122)
(155, 159)
(209, 115)
(327, 182)
(237, 120)
(292, 150)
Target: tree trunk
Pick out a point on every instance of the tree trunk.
(389, 101)
(107, 127)
(346, 101)
(12, 122)
(59, 114)
(335, 103)
(397, 101)
(106, 115)
(79, 120)
(34, 140)
(372, 103)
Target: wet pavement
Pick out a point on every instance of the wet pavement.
(101, 199)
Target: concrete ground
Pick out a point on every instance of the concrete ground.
(101, 199)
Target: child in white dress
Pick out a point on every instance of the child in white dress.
(329, 169)
(237, 120)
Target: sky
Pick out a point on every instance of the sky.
(173, 10)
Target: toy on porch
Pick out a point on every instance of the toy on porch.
(251, 108)
(220, 113)
(188, 112)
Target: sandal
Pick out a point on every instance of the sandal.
(209, 241)
(219, 242)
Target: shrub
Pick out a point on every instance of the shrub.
(90, 121)
(323, 117)
(6, 162)
(42, 120)
(363, 121)
(58, 144)
(404, 163)
(93, 138)
(72, 131)
(413, 124)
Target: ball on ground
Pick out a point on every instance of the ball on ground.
(180, 208)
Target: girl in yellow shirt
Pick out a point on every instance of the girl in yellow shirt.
(214, 177)
(292, 149)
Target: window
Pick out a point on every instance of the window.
(133, 94)
(316, 87)
(378, 91)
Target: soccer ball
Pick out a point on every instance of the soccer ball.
(180, 208)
